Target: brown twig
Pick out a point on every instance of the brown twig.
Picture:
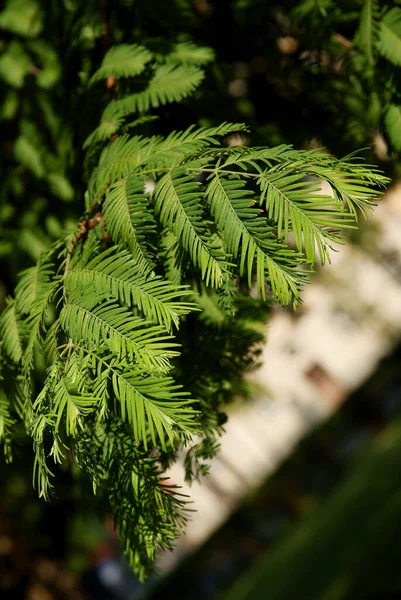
(85, 225)
(342, 40)
(35, 70)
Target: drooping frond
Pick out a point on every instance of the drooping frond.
(40, 424)
(66, 391)
(10, 330)
(114, 274)
(249, 238)
(299, 207)
(71, 406)
(152, 532)
(31, 285)
(178, 204)
(35, 320)
(354, 185)
(153, 406)
(174, 228)
(108, 323)
(129, 220)
(390, 36)
(172, 255)
(133, 484)
(125, 60)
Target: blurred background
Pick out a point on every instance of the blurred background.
(304, 499)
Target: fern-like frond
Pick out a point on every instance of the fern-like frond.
(368, 31)
(172, 255)
(118, 160)
(250, 239)
(128, 336)
(354, 185)
(134, 486)
(35, 321)
(253, 159)
(126, 154)
(10, 329)
(299, 207)
(114, 274)
(169, 83)
(6, 425)
(31, 285)
(128, 219)
(125, 60)
(390, 36)
(50, 343)
(65, 396)
(181, 146)
(178, 204)
(42, 474)
(70, 406)
(152, 532)
(172, 224)
(154, 407)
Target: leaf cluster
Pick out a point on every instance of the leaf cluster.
(176, 232)
(354, 65)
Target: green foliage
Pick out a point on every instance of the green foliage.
(136, 324)
(390, 36)
(11, 333)
(115, 274)
(188, 53)
(368, 31)
(356, 75)
(22, 17)
(122, 61)
(14, 65)
(168, 83)
(392, 122)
